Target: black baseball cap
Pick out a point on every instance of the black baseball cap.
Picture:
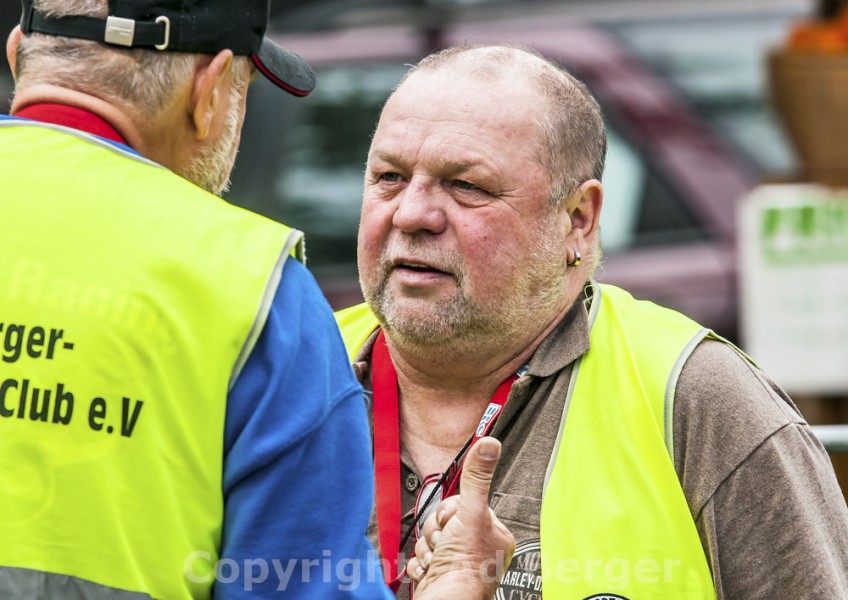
(198, 26)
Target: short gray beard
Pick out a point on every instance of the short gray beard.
(457, 324)
(449, 318)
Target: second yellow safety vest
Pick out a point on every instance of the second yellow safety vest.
(615, 522)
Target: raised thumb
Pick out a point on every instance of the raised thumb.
(477, 472)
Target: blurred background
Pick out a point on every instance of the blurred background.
(683, 89)
(682, 85)
(704, 176)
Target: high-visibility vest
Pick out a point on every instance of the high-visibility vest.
(130, 301)
(614, 522)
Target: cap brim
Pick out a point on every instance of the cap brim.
(284, 69)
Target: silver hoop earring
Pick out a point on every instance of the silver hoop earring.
(577, 258)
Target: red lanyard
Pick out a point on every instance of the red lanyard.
(387, 451)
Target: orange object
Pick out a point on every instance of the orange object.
(829, 37)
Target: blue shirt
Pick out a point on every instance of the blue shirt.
(298, 473)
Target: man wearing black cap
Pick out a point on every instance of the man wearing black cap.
(177, 415)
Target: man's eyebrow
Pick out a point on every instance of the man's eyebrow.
(465, 165)
(447, 165)
(383, 155)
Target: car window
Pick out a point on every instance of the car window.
(720, 64)
(625, 175)
(641, 208)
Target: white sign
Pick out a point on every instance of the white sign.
(793, 243)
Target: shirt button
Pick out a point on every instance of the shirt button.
(411, 482)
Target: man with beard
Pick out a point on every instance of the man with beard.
(643, 457)
(177, 415)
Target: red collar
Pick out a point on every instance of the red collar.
(70, 116)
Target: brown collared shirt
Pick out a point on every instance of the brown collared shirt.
(761, 488)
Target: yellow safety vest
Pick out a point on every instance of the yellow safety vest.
(615, 522)
(130, 301)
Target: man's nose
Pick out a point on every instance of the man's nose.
(421, 207)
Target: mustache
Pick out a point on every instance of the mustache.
(421, 252)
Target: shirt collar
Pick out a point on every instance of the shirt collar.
(568, 341)
(73, 117)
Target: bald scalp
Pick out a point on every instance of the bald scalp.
(573, 135)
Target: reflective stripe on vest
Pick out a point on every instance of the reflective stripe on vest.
(614, 517)
(24, 583)
(130, 300)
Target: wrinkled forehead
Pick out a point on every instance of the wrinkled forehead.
(455, 89)
(449, 98)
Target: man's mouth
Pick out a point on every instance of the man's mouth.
(418, 267)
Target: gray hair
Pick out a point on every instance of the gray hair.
(574, 139)
(144, 79)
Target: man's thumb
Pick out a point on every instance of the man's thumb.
(477, 472)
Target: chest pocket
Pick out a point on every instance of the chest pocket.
(523, 511)
(523, 578)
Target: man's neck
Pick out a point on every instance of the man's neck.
(116, 118)
(165, 139)
(72, 117)
(449, 374)
(441, 401)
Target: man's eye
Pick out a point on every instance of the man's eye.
(390, 177)
(464, 185)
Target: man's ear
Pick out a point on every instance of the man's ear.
(12, 48)
(584, 209)
(208, 89)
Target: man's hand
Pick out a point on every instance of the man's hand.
(464, 548)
